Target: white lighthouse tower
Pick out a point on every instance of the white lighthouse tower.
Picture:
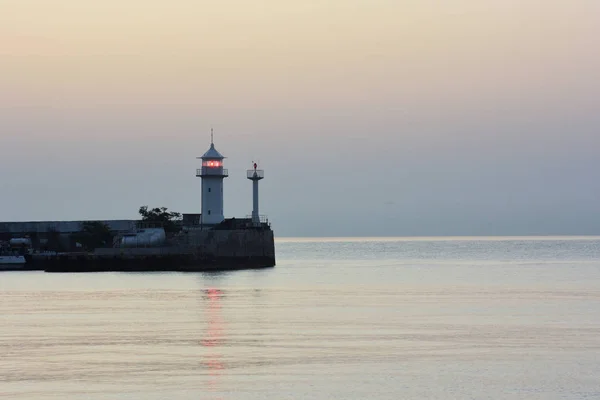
(212, 174)
(255, 175)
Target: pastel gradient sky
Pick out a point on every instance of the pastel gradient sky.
(380, 117)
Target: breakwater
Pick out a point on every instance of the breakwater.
(191, 249)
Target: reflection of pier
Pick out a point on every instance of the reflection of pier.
(213, 338)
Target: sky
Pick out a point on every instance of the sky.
(369, 117)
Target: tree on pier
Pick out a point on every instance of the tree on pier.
(162, 217)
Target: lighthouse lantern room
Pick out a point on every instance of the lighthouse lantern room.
(212, 174)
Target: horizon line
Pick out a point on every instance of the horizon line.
(440, 237)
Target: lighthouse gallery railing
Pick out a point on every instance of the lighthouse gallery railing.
(204, 171)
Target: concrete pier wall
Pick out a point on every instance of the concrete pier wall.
(193, 251)
(232, 243)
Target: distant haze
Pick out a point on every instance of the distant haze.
(378, 117)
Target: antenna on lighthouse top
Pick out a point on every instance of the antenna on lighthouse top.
(212, 136)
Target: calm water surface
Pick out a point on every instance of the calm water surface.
(394, 319)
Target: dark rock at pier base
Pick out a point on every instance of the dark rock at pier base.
(153, 264)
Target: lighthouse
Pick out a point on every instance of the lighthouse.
(255, 175)
(212, 174)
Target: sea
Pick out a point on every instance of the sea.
(337, 318)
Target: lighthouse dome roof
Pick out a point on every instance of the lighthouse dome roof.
(212, 154)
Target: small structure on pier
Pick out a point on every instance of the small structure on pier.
(255, 175)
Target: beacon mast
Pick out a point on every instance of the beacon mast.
(255, 175)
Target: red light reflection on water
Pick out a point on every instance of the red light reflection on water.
(214, 338)
(214, 334)
(214, 294)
